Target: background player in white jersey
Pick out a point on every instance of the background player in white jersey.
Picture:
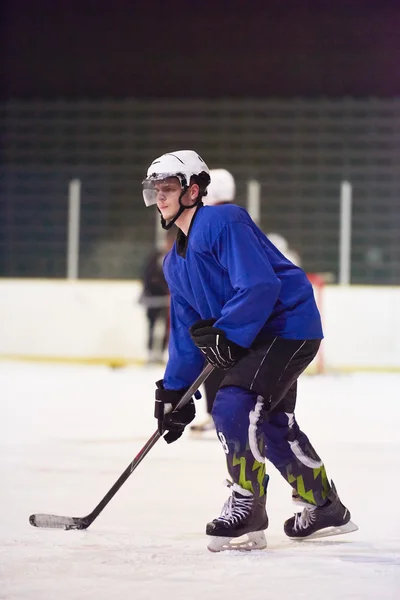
(236, 300)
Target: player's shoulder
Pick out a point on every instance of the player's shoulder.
(223, 214)
(225, 210)
(213, 220)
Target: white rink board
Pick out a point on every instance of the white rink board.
(66, 434)
(103, 321)
(362, 327)
(72, 320)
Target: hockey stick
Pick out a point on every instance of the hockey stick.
(58, 522)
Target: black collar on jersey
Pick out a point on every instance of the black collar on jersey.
(182, 240)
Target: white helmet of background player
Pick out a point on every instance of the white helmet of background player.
(279, 242)
(221, 189)
(188, 167)
(283, 246)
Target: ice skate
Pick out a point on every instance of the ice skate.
(206, 425)
(333, 518)
(241, 524)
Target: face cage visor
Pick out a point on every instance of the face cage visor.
(149, 186)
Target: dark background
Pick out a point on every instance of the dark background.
(299, 95)
(200, 49)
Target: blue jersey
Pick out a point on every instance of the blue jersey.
(230, 271)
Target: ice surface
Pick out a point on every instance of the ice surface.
(68, 432)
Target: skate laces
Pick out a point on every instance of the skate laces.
(304, 519)
(237, 507)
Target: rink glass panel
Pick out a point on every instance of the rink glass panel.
(300, 151)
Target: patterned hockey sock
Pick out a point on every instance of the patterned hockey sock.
(236, 415)
(311, 484)
(245, 470)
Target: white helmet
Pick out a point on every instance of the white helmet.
(222, 187)
(182, 164)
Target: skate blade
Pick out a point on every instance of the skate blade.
(254, 540)
(329, 531)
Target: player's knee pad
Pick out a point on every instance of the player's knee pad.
(237, 415)
(231, 409)
(277, 448)
(284, 441)
(301, 445)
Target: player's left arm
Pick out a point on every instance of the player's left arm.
(184, 365)
(256, 286)
(252, 277)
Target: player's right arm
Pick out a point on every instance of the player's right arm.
(185, 361)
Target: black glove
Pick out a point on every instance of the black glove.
(172, 422)
(216, 347)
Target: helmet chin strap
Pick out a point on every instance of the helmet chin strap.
(167, 225)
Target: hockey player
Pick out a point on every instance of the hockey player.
(236, 300)
(221, 190)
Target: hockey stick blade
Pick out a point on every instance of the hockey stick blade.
(68, 523)
(57, 522)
